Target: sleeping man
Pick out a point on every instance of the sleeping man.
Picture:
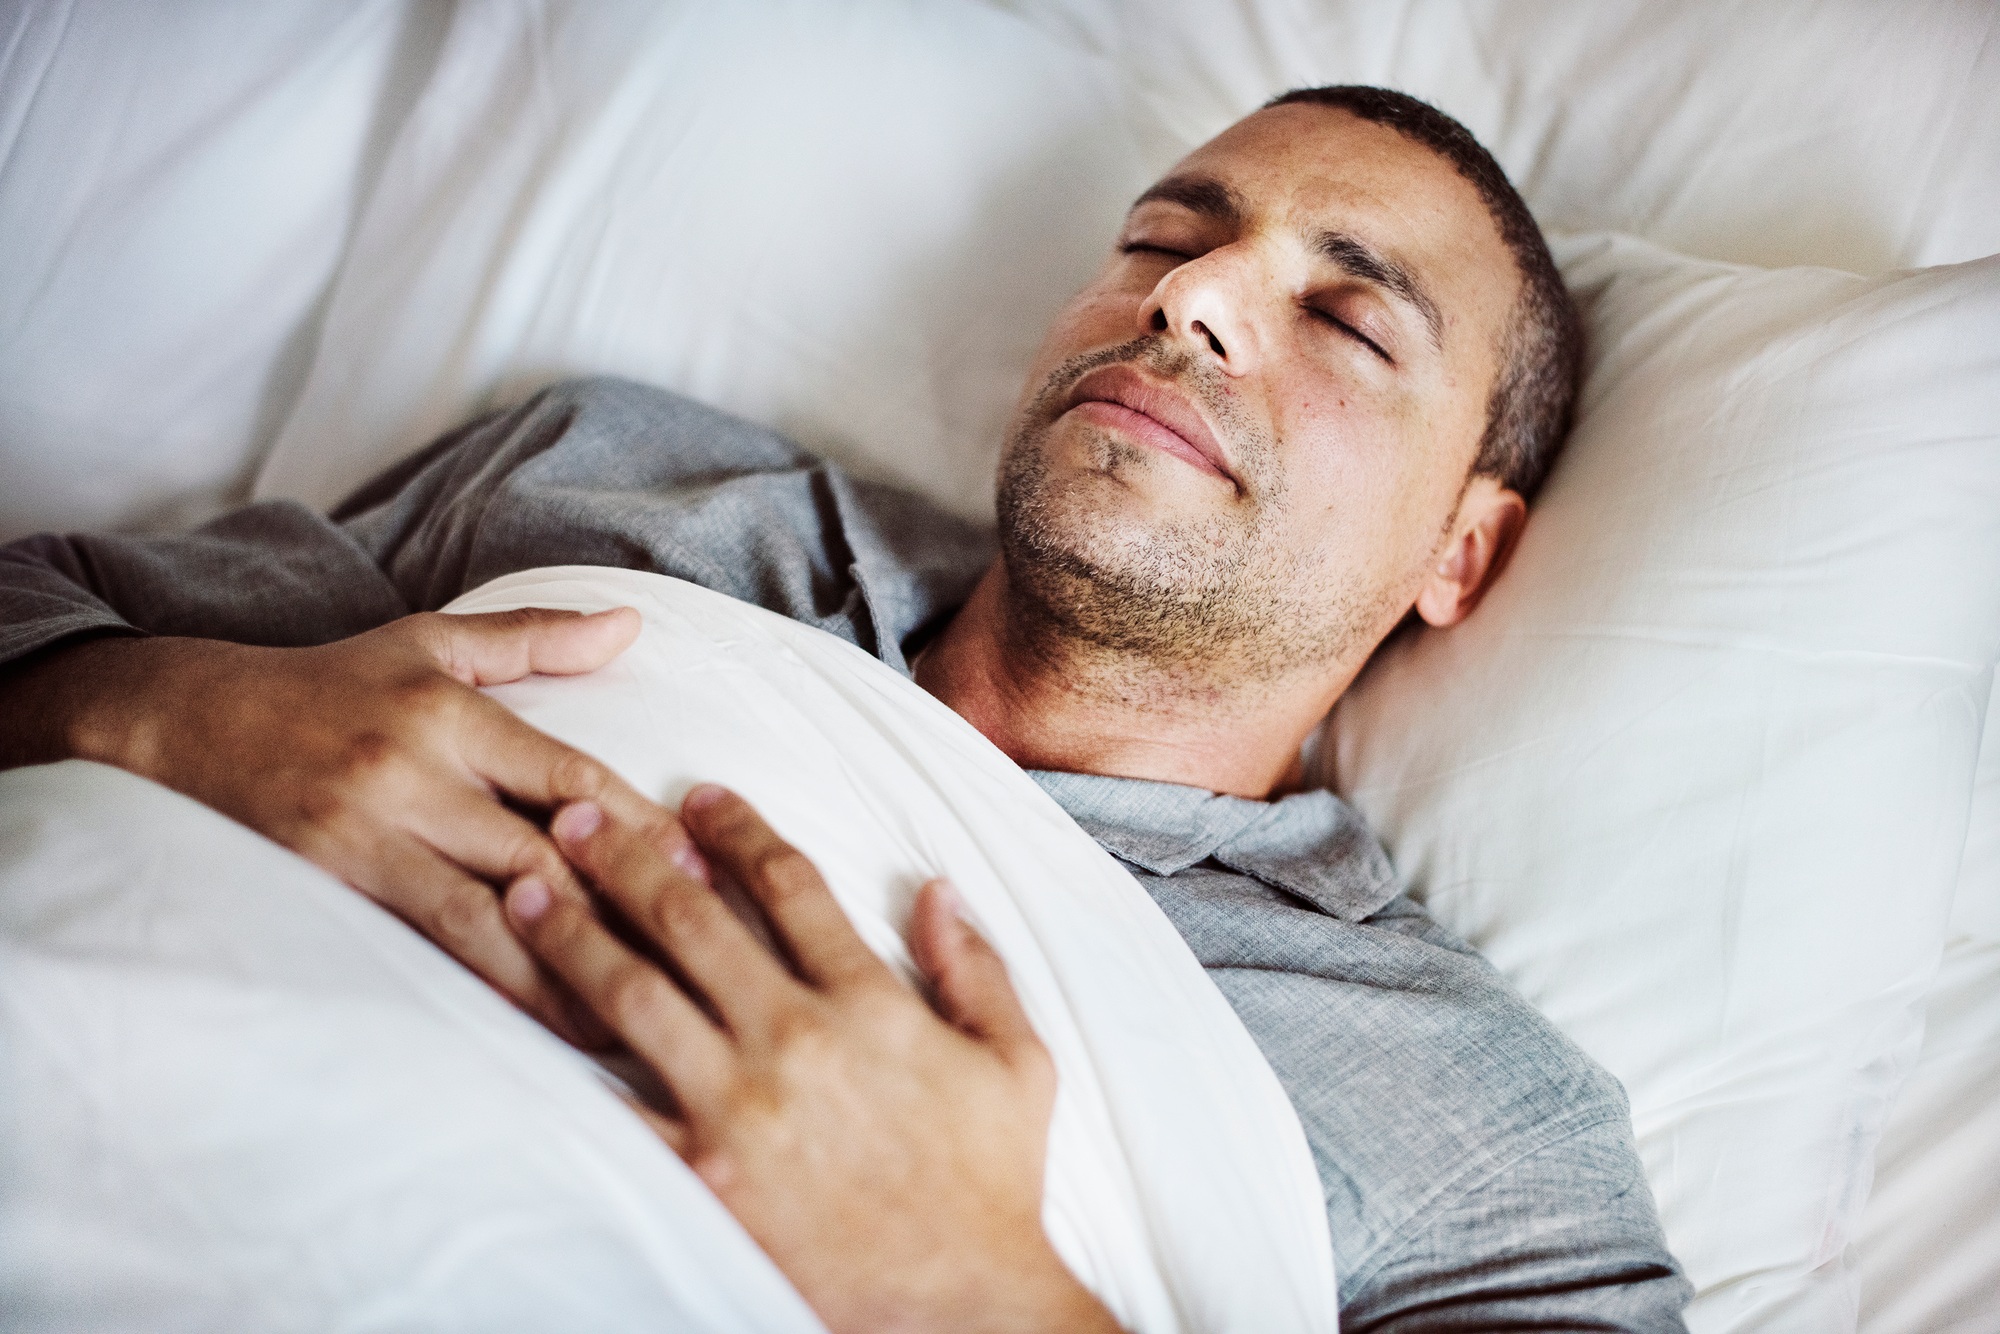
(1308, 394)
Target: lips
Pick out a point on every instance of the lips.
(1121, 398)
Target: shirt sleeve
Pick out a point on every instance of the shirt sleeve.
(588, 472)
(274, 574)
(1564, 1237)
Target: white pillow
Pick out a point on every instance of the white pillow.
(1696, 774)
(852, 222)
(176, 187)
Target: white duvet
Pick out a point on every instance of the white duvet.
(239, 1096)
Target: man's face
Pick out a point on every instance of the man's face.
(1242, 445)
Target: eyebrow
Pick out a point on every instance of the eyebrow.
(1211, 198)
(1352, 255)
(1198, 194)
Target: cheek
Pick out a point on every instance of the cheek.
(1363, 477)
(1099, 315)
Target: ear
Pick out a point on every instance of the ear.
(1469, 559)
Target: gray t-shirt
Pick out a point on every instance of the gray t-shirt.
(1479, 1169)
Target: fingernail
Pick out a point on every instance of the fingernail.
(703, 795)
(529, 898)
(576, 822)
(948, 896)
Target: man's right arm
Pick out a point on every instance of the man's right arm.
(267, 666)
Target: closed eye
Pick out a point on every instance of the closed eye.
(1147, 248)
(1352, 332)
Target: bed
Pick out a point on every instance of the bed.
(1714, 776)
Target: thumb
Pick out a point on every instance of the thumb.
(969, 983)
(490, 648)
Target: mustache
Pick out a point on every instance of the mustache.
(1188, 371)
(1149, 352)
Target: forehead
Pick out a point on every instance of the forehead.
(1304, 169)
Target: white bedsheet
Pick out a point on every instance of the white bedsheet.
(240, 1096)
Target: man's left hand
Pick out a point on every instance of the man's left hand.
(889, 1160)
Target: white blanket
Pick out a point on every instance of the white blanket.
(239, 1096)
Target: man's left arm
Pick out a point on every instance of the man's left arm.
(888, 1156)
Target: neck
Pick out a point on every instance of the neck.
(1052, 701)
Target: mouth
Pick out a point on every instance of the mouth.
(1122, 399)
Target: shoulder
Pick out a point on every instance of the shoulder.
(644, 428)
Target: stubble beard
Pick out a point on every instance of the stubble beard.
(1211, 603)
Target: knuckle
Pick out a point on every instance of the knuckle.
(461, 912)
(784, 869)
(750, 1104)
(800, 1035)
(325, 821)
(1037, 1068)
(716, 1167)
(520, 618)
(524, 851)
(366, 760)
(323, 809)
(427, 693)
(631, 995)
(681, 918)
(574, 776)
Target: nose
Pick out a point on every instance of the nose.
(1204, 304)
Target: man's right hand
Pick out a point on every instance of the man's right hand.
(375, 757)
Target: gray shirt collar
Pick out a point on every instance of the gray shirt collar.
(1311, 844)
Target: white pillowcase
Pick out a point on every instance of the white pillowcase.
(1696, 774)
(177, 184)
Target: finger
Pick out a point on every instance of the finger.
(968, 979)
(786, 885)
(462, 917)
(489, 648)
(659, 881)
(471, 830)
(531, 766)
(467, 826)
(657, 1019)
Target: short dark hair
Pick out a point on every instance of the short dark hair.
(1541, 353)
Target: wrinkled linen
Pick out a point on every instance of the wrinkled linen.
(241, 1095)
